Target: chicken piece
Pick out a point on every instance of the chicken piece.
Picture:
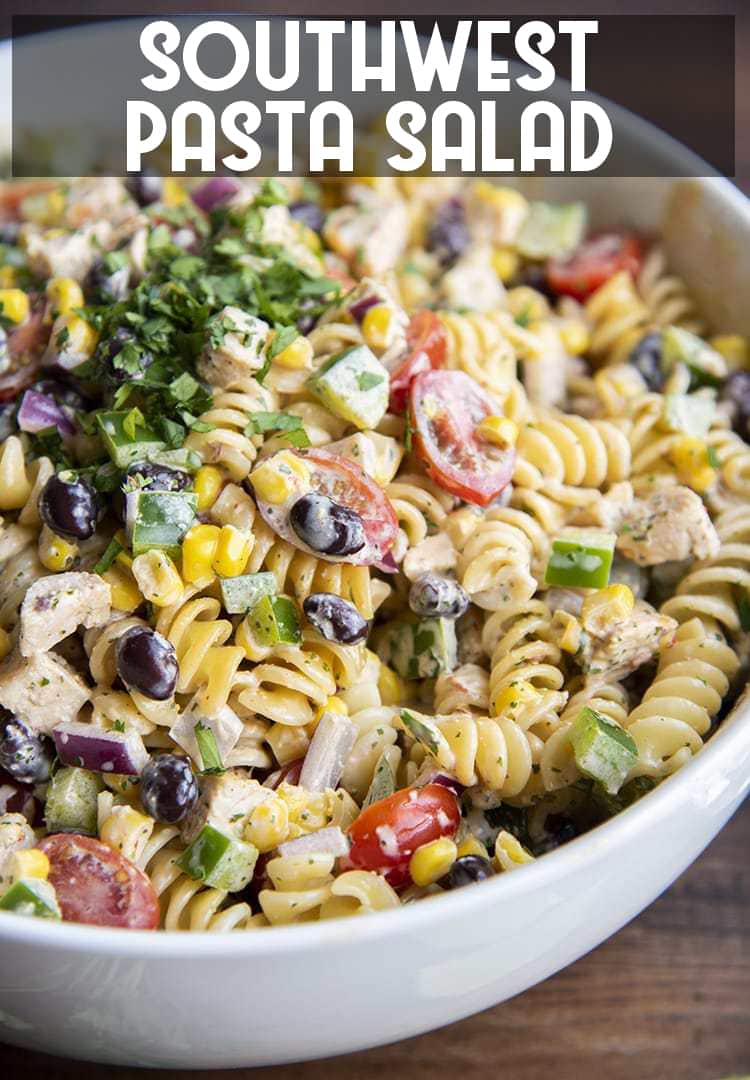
(469, 634)
(544, 372)
(607, 511)
(225, 726)
(226, 801)
(371, 236)
(54, 254)
(671, 524)
(55, 606)
(434, 553)
(280, 228)
(15, 835)
(614, 649)
(473, 283)
(44, 690)
(495, 213)
(97, 199)
(234, 507)
(235, 348)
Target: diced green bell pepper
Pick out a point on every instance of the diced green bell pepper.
(240, 594)
(419, 649)
(123, 449)
(182, 458)
(581, 559)
(31, 896)
(161, 519)
(274, 621)
(551, 230)
(354, 385)
(219, 860)
(71, 803)
(692, 414)
(603, 750)
(707, 366)
(209, 751)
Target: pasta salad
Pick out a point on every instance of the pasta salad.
(360, 541)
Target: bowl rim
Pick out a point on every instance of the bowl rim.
(731, 738)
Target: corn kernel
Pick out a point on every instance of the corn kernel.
(14, 305)
(575, 337)
(65, 294)
(607, 606)
(431, 861)
(498, 430)
(8, 277)
(471, 846)
(55, 552)
(287, 742)
(391, 687)
(513, 698)
(333, 704)
(207, 485)
(310, 238)
(691, 461)
(505, 263)
(500, 197)
(232, 551)
(126, 595)
(198, 551)
(28, 863)
(172, 192)
(82, 338)
(567, 631)
(280, 477)
(157, 578)
(268, 825)
(297, 356)
(5, 643)
(734, 348)
(376, 326)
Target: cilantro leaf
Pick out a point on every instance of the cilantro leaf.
(366, 380)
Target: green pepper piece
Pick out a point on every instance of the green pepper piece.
(581, 558)
(692, 414)
(240, 594)
(123, 449)
(71, 803)
(603, 750)
(161, 520)
(219, 860)
(419, 649)
(551, 230)
(31, 896)
(354, 385)
(274, 621)
(707, 366)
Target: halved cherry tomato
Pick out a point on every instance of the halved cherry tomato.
(594, 262)
(12, 195)
(427, 344)
(349, 485)
(385, 835)
(444, 410)
(97, 885)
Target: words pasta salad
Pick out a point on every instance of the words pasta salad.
(360, 541)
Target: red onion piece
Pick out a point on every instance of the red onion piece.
(214, 192)
(330, 841)
(387, 564)
(326, 755)
(361, 307)
(17, 798)
(93, 748)
(433, 775)
(39, 411)
(287, 774)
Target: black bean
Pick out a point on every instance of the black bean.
(435, 595)
(309, 213)
(115, 368)
(646, 359)
(145, 188)
(24, 755)
(448, 237)
(736, 392)
(147, 662)
(169, 790)
(466, 871)
(326, 526)
(69, 506)
(336, 619)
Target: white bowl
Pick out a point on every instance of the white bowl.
(227, 1000)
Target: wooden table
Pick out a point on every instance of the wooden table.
(668, 998)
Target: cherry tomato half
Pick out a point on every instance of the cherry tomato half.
(349, 485)
(97, 885)
(13, 194)
(444, 410)
(427, 343)
(594, 262)
(385, 835)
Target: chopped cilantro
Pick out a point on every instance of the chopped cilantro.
(281, 340)
(114, 547)
(366, 380)
(133, 420)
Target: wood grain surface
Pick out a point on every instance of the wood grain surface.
(667, 998)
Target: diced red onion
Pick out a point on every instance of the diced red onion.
(102, 751)
(215, 191)
(433, 775)
(287, 774)
(40, 411)
(361, 307)
(15, 798)
(327, 753)
(329, 841)
(387, 564)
